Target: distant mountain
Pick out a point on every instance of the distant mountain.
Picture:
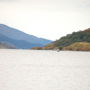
(6, 46)
(20, 39)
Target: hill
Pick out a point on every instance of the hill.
(20, 39)
(78, 46)
(80, 36)
(6, 46)
(70, 39)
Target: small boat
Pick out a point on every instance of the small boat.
(58, 50)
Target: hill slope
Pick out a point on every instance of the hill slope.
(80, 36)
(20, 39)
(6, 46)
(78, 46)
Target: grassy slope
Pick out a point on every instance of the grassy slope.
(78, 46)
(80, 36)
(76, 41)
(74, 38)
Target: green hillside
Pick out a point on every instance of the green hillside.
(80, 36)
(76, 41)
(78, 46)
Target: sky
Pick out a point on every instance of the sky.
(50, 19)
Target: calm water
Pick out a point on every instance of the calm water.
(44, 70)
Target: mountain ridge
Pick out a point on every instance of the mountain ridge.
(20, 39)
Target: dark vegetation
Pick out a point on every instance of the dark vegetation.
(80, 36)
(79, 41)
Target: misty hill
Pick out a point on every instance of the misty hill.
(20, 39)
(6, 46)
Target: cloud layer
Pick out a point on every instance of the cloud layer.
(46, 18)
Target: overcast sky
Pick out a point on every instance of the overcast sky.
(49, 19)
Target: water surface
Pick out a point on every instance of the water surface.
(44, 70)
